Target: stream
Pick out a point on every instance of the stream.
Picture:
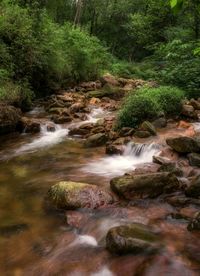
(36, 240)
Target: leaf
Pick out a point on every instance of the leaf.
(197, 51)
(176, 5)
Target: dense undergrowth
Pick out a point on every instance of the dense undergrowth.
(149, 103)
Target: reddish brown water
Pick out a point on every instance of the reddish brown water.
(34, 241)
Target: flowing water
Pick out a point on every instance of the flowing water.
(37, 241)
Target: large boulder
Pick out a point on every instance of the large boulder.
(194, 224)
(74, 195)
(132, 238)
(184, 144)
(144, 185)
(9, 118)
(29, 125)
(96, 140)
(194, 189)
(188, 111)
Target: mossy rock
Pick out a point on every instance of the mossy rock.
(74, 195)
(144, 185)
(184, 144)
(133, 238)
(107, 91)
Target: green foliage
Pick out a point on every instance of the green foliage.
(38, 53)
(181, 67)
(147, 103)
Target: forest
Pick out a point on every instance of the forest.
(99, 137)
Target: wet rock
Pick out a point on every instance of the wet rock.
(194, 159)
(144, 185)
(178, 200)
(194, 224)
(147, 126)
(194, 189)
(29, 125)
(184, 144)
(114, 149)
(161, 160)
(51, 128)
(77, 107)
(132, 238)
(73, 195)
(9, 118)
(61, 119)
(126, 131)
(96, 140)
(188, 111)
(142, 134)
(171, 168)
(82, 130)
(160, 123)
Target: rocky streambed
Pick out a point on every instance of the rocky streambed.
(79, 198)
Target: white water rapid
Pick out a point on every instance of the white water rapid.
(116, 165)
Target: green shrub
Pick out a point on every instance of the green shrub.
(147, 103)
(180, 66)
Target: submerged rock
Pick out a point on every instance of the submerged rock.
(9, 118)
(74, 195)
(144, 185)
(194, 224)
(96, 140)
(132, 238)
(184, 144)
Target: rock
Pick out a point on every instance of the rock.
(96, 140)
(188, 111)
(9, 118)
(61, 119)
(77, 107)
(109, 79)
(132, 238)
(147, 126)
(82, 130)
(178, 201)
(51, 128)
(194, 224)
(94, 101)
(195, 104)
(194, 159)
(89, 86)
(142, 134)
(73, 195)
(29, 125)
(171, 168)
(114, 149)
(160, 123)
(144, 185)
(161, 160)
(126, 131)
(184, 144)
(194, 189)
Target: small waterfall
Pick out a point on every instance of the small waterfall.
(116, 165)
(45, 139)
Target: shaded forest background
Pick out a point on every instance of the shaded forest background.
(49, 45)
